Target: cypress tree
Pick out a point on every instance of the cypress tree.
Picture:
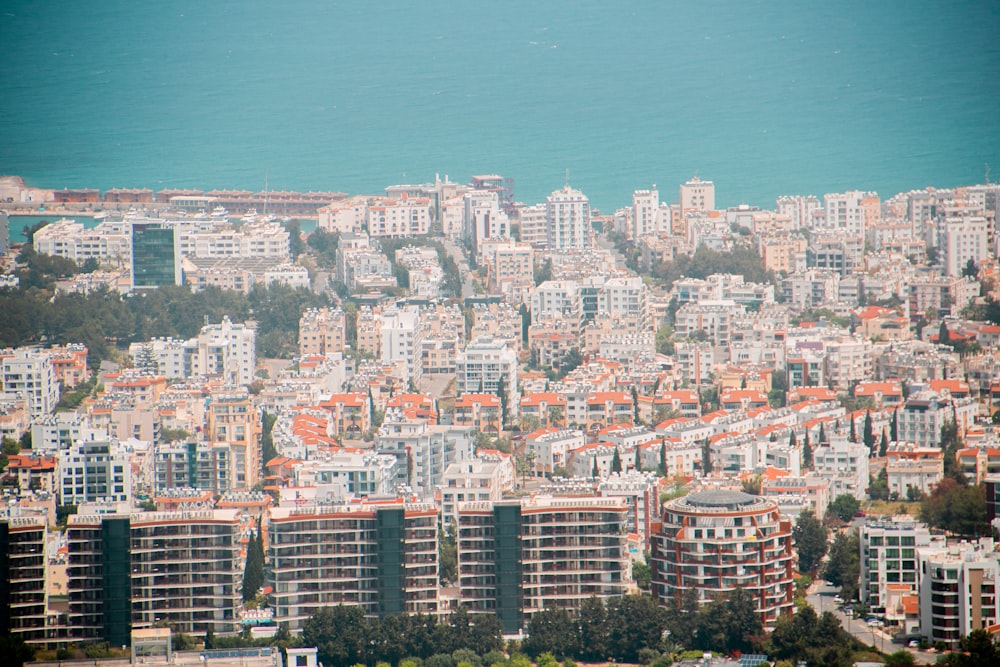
(807, 452)
(854, 430)
(253, 571)
(883, 447)
(663, 457)
(894, 426)
(822, 433)
(635, 405)
(793, 441)
(502, 395)
(616, 461)
(638, 459)
(867, 435)
(596, 472)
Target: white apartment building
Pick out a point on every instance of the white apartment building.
(625, 298)
(346, 215)
(713, 317)
(396, 218)
(560, 298)
(961, 238)
(484, 478)
(534, 225)
(483, 218)
(551, 446)
(925, 412)
(224, 349)
(108, 243)
(58, 431)
(30, 375)
(426, 449)
(648, 216)
(346, 473)
(845, 464)
(481, 365)
(94, 470)
(847, 212)
(697, 195)
(567, 217)
(958, 590)
(402, 340)
(888, 562)
(265, 240)
(799, 209)
(511, 269)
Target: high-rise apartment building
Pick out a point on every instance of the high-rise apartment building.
(23, 590)
(697, 195)
(518, 557)
(382, 557)
(567, 216)
(716, 541)
(30, 375)
(321, 331)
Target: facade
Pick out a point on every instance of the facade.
(193, 465)
(402, 341)
(958, 591)
(232, 418)
(381, 557)
(888, 561)
(30, 375)
(960, 239)
(518, 557)
(186, 570)
(715, 541)
(697, 195)
(567, 216)
(23, 589)
(321, 331)
(156, 255)
(94, 471)
(426, 448)
(480, 367)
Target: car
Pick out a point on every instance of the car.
(913, 644)
(873, 623)
(838, 599)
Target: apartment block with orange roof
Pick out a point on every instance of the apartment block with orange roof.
(321, 331)
(350, 414)
(232, 418)
(480, 411)
(70, 364)
(605, 408)
(548, 408)
(887, 394)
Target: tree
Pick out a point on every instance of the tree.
(663, 458)
(845, 506)
(635, 405)
(340, 633)
(729, 624)
(883, 447)
(752, 484)
(267, 448)
(706, 458)
(809, 537)
(596, 472)
(543, 272)
(448, 554)
(616, 462)
(822, 434)
(502, 395)
(842, 568)
(854, 429)
(956, 508)
(970, 270)
(807, 451)
(637, 464)
(634, 622)
(868, 434)
(253, 569)
(894, 426)
(593, 631)
(642, 574)
(551, 630)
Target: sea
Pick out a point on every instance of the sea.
(762, 97)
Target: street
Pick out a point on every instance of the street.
(820, 596)
(458, 254)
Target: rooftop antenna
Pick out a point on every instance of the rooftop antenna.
(266, 174)
(567, 177)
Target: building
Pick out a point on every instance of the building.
(648, 217)
(30, 375)
(94, 470)
(483, 479)
(697, 195)
(381, 557)
(402, 342)
(715, 541)
(567, 217)
(485, 366)
(156, 255)
(184, 569)
(888, 561)
(232, 418)
(518, 557)
(193, 465)
(848, 212)
(960, 239)
(23, 589)
(321, 331)
(426, 448)
(224, 350)
(958, 591)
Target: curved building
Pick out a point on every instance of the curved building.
(715, 541)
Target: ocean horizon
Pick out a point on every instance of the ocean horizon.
(763, 98)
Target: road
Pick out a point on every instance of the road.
(458, 254)
(820, 596)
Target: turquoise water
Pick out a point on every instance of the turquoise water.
(764, 98)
